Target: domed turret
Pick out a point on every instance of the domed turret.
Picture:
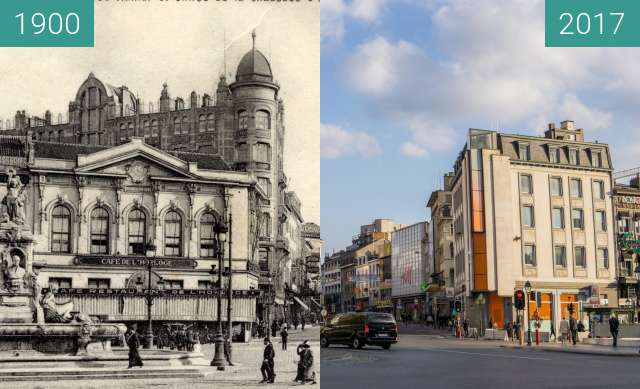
(254, 66)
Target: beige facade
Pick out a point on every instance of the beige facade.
(536, 209)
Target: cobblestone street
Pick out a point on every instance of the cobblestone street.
(246, 372)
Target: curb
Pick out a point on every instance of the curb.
(574, 351)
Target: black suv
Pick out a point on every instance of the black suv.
(357, 329)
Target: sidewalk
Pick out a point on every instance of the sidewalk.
(421, 329)
(578, 349)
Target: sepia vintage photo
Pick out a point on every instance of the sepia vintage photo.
(160, 203)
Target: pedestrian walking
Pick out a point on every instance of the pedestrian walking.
(284, 334)
(133, 342)
(296, 321)
(573, 329)
(564, 330)
(614, 326)
(509, 328)
(302, 322)
(274, 329)
(465, 327)
(305, 364)
(267, 368)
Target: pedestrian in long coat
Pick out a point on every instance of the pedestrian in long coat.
(131, 337)
(268, 366)
(284, 335)
(302, 322)
(614, 325)
(306, 359)
(573, 328)
(274, 329)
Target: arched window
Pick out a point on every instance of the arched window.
(132, 131)
(263, 121)
(147, 129)
(154, 128)
(211, 123)
(243, 120)
(137, 232)
(61, 229)
(99, 231)
(202, 123)
(172, 234)
(176, 126)
(186, 124)
(207, 236)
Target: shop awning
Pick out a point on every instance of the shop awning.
(303, 305)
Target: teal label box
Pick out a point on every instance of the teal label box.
(46, 23)
(592, 23)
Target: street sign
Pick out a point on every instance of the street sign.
(115, 261)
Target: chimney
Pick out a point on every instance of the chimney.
(552, 126)
(568, 125)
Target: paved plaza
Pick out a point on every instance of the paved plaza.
(245, 373)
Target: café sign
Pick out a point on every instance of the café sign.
(157, 292)
(114, 261)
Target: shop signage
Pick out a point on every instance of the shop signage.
(158, 292)
(171, 263)
(630, 202)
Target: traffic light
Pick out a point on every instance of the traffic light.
(519, 300)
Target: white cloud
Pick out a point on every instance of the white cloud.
(334, 14)
(336, 142)
(412, 150)
(492, 67)
(366, 10)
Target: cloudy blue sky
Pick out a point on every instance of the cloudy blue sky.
(403, 80)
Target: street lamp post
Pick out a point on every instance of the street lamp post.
(527, 289)
(230, 291)
(149, 297)
(220, 229)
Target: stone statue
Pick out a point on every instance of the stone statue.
(13, 202)
(34, 285)
(54, 312)
(14, 275)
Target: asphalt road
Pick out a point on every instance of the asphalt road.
(423, 361)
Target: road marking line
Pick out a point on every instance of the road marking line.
(490, 355)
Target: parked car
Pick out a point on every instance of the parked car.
(357, 329)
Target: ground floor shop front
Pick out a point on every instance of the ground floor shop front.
(546, 308)
(412, 307)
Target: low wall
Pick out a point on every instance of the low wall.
(601, 330)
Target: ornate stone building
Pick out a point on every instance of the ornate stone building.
(237, 128)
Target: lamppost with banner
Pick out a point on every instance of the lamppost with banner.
(220, 229)
(149, 297)
(527, 289)
(230, 291)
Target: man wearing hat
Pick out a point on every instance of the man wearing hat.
(305, 365)
(131, 337)
(267, 368)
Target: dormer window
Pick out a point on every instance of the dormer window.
(524, 151)
(554, 154)
(574, 156)
(596, 158)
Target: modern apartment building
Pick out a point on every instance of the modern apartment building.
(537, 209)
(410, 269)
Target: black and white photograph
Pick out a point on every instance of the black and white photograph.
(160, 202)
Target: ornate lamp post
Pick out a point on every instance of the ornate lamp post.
(150, 253)
(221, 235)
(527, 288)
